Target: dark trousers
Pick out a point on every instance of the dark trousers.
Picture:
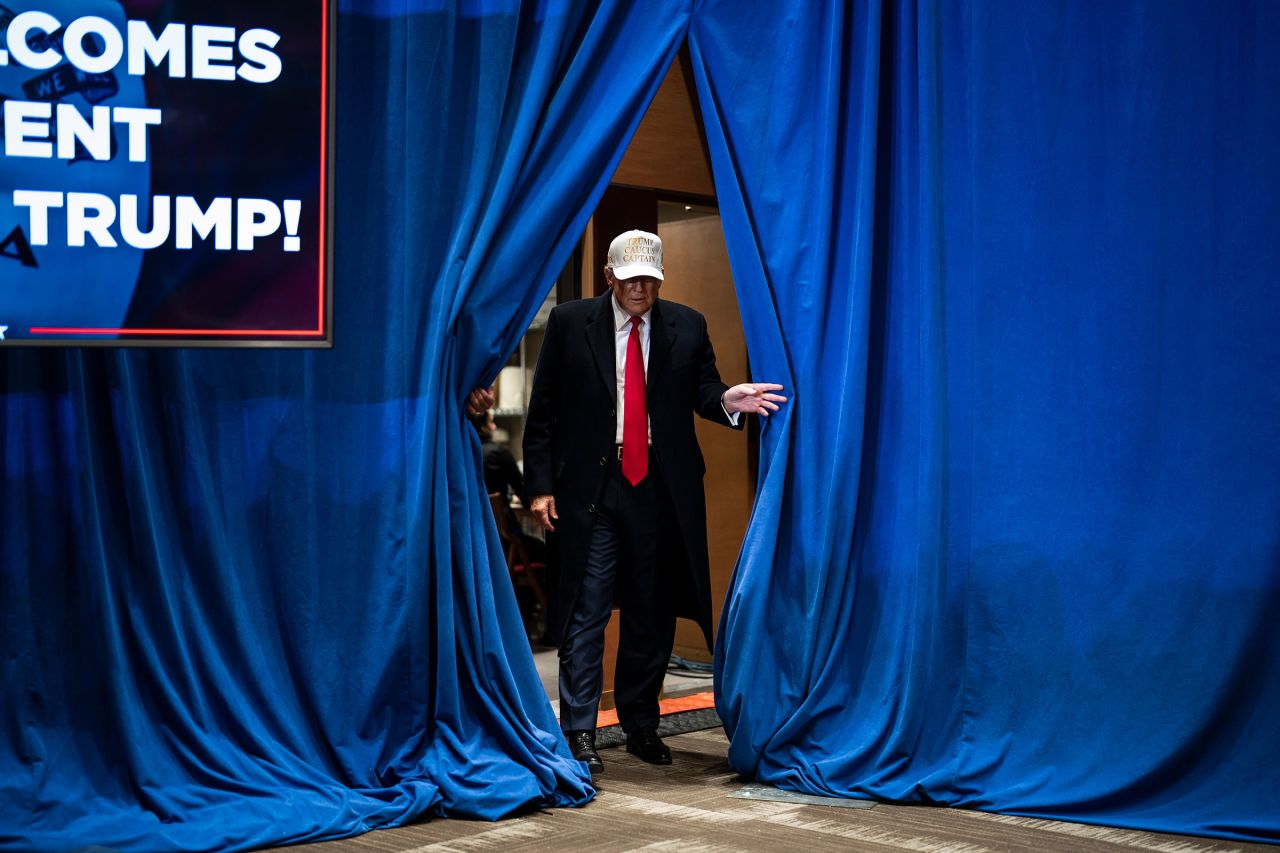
(633, 527)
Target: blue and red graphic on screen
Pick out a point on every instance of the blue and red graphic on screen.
(163, 172)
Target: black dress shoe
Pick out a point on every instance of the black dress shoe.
(648, 746)
(583, 746)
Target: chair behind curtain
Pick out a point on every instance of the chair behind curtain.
(254, 598)
(520, 567)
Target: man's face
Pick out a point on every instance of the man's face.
(635, 295)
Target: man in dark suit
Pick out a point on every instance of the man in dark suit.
(613, 467)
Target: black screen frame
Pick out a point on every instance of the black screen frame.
(224, 339)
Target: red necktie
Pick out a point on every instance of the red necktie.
(635, 415)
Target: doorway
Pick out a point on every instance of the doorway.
(663, 184)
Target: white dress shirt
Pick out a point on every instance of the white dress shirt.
(621, 335)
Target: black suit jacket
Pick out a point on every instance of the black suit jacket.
(570, 432)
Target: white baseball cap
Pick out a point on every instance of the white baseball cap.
(634, 253)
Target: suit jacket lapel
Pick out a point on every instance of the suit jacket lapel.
(662, 337)
(600, 339)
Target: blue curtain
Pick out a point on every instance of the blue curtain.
(1015, 545)
(252, 598)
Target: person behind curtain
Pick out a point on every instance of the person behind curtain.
(612, 465)
(501, 471)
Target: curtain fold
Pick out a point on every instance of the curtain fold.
(851, 486)
(256, 597)
(1015, 541)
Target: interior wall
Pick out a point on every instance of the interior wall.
(696, 265)
(668, 151)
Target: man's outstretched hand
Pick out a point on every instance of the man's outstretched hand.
(755, 397)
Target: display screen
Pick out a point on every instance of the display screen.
(164, 174)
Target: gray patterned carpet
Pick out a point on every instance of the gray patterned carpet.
(686, 808)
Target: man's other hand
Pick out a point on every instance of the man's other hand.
(755, 397)
(480, 400)
(544, 509)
